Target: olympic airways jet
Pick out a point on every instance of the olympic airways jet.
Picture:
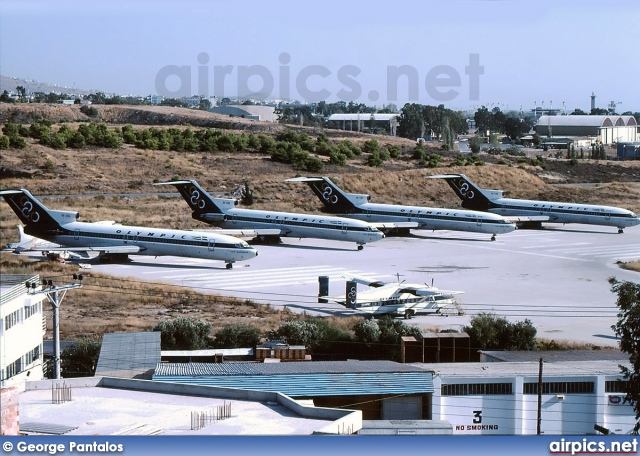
(114, 241)
(223, 212)
(403, 217)
(533, 213)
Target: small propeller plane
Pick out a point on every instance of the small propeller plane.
(397, 299)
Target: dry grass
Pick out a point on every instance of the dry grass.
(631, 266)
(107, 304)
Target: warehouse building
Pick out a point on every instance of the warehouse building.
(501, 398)
(365, 122)
(601, 129)
(382, 390)
(253, 112)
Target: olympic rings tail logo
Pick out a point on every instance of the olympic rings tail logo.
(328, 196)
(465, 191)
(27, 210)
(352, 294)
(195, 200)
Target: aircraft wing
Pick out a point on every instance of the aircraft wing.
(526, 218)
(429, 291)
(392, 225)
(86, 250)
(247, 233)
(367, 281)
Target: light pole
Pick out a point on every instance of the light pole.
(55, 299)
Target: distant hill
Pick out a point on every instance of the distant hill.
(9, 84)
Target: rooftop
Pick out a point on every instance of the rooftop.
(525, 368)
(106, 406)
(556, 355)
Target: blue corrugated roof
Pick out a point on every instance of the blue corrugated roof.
(304, 379)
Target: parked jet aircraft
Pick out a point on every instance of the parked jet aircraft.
(26, 242)
(396, 299)
(533, 213)
(223, 212)
(404, 217)
(112, 240)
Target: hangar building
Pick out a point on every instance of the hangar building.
(602, 129)
(501, 398)
(253, 112)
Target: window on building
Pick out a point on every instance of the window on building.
(468, 389)
(32, 310)
(616, 386)
(12, 319)
(560, 388)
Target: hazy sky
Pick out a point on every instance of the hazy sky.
(462, 53)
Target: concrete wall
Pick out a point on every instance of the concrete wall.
(9, 411)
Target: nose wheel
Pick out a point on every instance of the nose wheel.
(360, 247)
(620, 231)
(229, 265)
(493, 238)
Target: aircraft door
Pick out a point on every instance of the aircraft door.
(234, 219)
(344, 228)
(479, 220)
(607, 215)
(211, 245)
(76, 234)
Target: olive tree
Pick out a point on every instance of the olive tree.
(628, 330)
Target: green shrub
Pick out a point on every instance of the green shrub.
(58, 141)
(76, 140)
(17, 142)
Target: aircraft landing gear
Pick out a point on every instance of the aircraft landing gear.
(229, 265)
(620, 231)
(408, 314)
(360, 247)
(493, 238)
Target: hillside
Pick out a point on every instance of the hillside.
(91, 170)
(96, 172)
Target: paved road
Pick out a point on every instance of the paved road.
(556, 277)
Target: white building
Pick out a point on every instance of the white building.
(253, 112)
(155, 99)
(501, 398)
(22, 327)
(362, 121)
(603, 129)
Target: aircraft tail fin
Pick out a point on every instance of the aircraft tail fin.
(33, 214)
(471, 195)
(334, 199)
(196, 197)
(351, 294)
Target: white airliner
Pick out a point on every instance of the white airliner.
(396, 299)
(403, 217)
(223, 212)
(111, 240)
(26, 242)
(533, 213)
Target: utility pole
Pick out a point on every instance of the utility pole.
(539, 396)
(55, 299)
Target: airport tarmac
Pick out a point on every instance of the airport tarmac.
(557, 277)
